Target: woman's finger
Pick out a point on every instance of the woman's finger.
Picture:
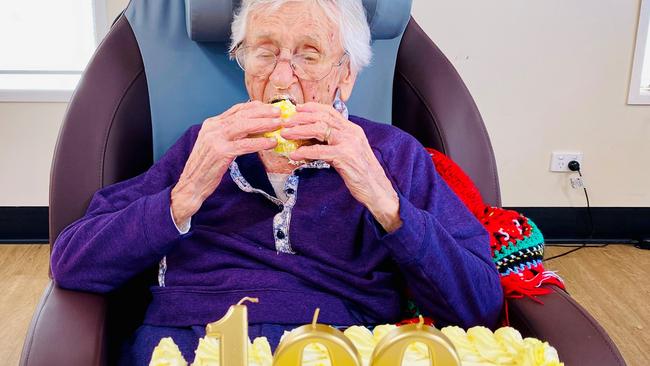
(234, 109)
(259, 109)
(253, 144)
(311, 107)
(303, 118)
(327, 109)
(315, 152)
(248, 111)
(243, 128)
(319, 130)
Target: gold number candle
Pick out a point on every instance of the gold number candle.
(232, 331)
(390, 350)
(340, 349)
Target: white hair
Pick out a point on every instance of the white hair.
(348, 14)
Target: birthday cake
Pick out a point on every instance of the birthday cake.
(476, 346)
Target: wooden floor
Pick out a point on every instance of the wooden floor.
(612, 283)
(23, 277)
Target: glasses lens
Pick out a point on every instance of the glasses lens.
(261, 62)
(257, 61)
(311, 65)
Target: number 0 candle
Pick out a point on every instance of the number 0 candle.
(390, 350)
(340, 349)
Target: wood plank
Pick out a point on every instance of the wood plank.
(613, 284)
(23, 270)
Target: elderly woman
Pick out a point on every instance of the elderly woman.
(359, 219)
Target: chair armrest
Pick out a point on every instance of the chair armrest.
(68, 328)
(561, 321)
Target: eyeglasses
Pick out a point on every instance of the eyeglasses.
(307, 65)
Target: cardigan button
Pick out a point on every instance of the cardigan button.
(290, 191)
(280, 234)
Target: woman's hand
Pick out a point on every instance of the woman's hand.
(220, 140)
(349, 152)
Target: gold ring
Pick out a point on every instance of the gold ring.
(327, 134)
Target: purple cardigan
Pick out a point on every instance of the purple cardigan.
(335, 255)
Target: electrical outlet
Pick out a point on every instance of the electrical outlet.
(560, 161)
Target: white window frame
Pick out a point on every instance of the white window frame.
(636, 96)
(100, 28)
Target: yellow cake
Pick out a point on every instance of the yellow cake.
(284, 146)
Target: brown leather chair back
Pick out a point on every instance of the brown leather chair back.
(106, 133)
(432, 103)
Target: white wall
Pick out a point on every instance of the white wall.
(546, 74)
(551, 75)
(28, 133)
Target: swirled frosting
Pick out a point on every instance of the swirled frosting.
(477, 347)
(363, 340)
(504, 347)
(167, 353)
(207, 352)
(259, 352)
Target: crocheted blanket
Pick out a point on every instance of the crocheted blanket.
(516, 244)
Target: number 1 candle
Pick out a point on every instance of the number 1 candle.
(232, 331)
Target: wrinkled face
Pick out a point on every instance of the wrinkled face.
(297, 27)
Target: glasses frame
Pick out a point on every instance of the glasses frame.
(240, 48)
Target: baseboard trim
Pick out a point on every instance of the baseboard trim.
(20, 225)
(571, 224)
(24, 225)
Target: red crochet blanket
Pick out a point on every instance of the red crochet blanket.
(516, 244)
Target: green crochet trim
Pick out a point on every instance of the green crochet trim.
(536, 238)
(525, 256)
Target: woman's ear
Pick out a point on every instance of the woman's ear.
(346, 83)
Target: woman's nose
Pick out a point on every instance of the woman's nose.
(283, 75)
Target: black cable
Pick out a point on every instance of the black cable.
(575, 166)
(575, 249)
(546, 260)
(591, 218)
(577, 245)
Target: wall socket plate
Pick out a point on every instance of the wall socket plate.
(560, 160)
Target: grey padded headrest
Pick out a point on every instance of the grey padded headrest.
(209, 20)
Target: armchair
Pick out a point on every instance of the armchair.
(114, 129)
